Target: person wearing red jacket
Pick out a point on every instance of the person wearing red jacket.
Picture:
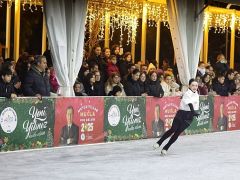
(112, 65)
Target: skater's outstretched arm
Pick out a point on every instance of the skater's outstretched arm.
(192, 110)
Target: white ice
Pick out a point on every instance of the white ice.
(196, 157)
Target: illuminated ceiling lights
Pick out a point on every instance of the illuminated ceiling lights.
(26, 4)
(157, 12)
(219, 22)
(123, 14)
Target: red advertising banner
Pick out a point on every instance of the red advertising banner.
(160, 113)
(226, 113)
(78, 121)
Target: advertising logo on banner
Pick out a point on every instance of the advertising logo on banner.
(226, 113)
(78, 121)
(160, 113)
(233, 113)
(124, 118)
(26, 124)
(202, 123)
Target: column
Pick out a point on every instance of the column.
(8, 31)
(144, 33)
(44, 35)
(232, 48)
(16, 29)
(158, 41)
(107, 30)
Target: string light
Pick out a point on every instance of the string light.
(123, 17)
(157, 12)
(219, 22)
(237, 23)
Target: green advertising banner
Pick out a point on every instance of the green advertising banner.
(203, 123)
(26, 123)
(124, 118)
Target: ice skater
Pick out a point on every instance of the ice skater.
(188, 106)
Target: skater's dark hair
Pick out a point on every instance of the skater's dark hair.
(191, 80)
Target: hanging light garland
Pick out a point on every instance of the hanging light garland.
(237, 23)
(26, 4)
(157, 12)
(123, 17)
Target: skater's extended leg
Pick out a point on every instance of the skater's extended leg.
(175, 136)
(167, 134)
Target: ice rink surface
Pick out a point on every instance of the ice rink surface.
(196, 157)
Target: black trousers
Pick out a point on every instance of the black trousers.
(181, 122)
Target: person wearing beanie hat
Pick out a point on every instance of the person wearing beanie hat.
(188, 106)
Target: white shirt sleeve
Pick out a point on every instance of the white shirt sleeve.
(189, 97)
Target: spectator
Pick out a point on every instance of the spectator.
(132, 87)
(96, 58)
(221, 66)
(201, 70)
(6, 87)
(165, 64)
(106, 60)
(106, 55)
(94, 67)
(210, 71)
(36, 82)
(237, 85)
(113, 80)
(82, 75)
(116, 51)
(175, 87)
(79, 89)
(155, 88)
(202, 88)
(15, 81)
(90, 85)
(53, 80)
(206, 79)
(166, 85)
(117, 91)
(220, 87)
(112, 65)
(229, 81)
(144, 88)
(144, 68)
(123, 64)
(99, 84)
(131, 68)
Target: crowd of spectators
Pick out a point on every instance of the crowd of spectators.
(106, 72)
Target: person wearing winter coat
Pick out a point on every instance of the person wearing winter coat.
(112, 66)
(36, 82)
(6, 87)
(155, 88)
(132, 87)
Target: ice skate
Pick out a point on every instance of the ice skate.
(155, 146)
(163, 152)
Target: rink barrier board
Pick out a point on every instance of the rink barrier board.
(27, 123)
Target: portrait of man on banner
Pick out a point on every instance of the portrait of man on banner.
(222, 120)
(157, 123)
(70, 132)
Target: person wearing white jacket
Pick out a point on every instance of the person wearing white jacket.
(189, 106)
